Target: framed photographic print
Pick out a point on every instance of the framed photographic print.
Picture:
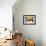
(29, 19)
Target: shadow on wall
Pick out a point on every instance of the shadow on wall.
(28, 7)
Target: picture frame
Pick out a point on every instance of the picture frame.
(29, 19)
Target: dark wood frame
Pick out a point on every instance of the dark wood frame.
(28, 23)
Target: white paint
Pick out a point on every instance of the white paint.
(6, 16)
(43, 22)
(29, 7)
(6, 13)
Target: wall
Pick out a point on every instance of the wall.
(28, 7)
(43, 22)
(6, 13)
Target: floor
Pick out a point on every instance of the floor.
(9, 43)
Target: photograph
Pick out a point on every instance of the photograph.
(29, 19)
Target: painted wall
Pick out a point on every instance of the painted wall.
(28, 7)
(6, 16)
(6, 13)
(43, 22)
